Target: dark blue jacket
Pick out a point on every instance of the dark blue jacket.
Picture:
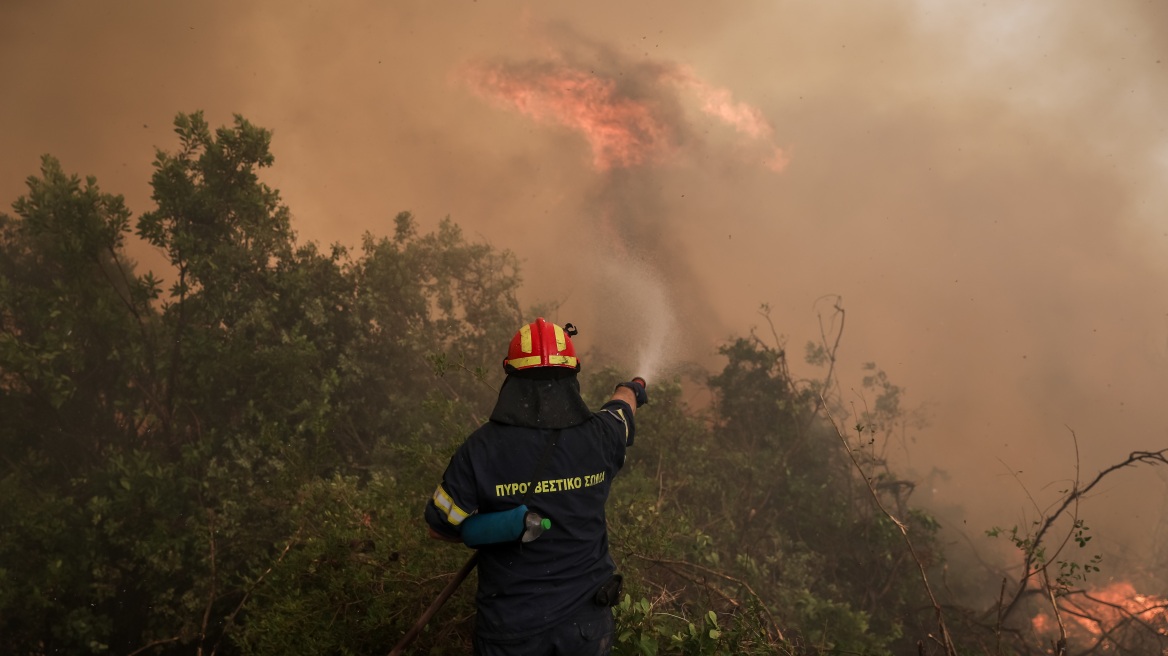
(526, 588)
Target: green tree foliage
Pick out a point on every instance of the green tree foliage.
(161, 447)
(73, 351)
(68, 334)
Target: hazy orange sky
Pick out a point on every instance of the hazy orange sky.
(982, 183)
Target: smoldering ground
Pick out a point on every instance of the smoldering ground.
(980, 183)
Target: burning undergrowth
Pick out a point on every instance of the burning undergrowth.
(1113, 619)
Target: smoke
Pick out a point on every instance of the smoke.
(981, 183)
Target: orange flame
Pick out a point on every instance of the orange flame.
(1098, 615)
(621, 129)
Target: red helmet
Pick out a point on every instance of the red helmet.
(542, 344)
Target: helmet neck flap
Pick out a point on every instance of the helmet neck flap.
(541, 398)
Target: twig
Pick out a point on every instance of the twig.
(838, 335)
(1061, 645)
(214, 579)
(998, 624)
(151, 645)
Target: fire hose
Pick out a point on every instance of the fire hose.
(518, 524)
(459, 577)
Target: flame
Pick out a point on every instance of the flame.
(1099, 615)
(1108, 607)
(623, 129)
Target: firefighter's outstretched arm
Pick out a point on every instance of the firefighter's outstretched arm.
(631, 392)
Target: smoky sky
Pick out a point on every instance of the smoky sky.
(981, 184)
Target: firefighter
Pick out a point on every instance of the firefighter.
(542, 448)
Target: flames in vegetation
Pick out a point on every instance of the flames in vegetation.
(1115, 618)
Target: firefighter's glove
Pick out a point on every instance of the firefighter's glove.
(637, 385)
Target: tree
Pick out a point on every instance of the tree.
(72, 321)
(76, 329)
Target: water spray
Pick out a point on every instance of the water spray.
(655, 316)
(659, 323)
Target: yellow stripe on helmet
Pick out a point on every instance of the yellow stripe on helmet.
(532, 361)
(525, 339)
(561, 341)
(520, 363)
